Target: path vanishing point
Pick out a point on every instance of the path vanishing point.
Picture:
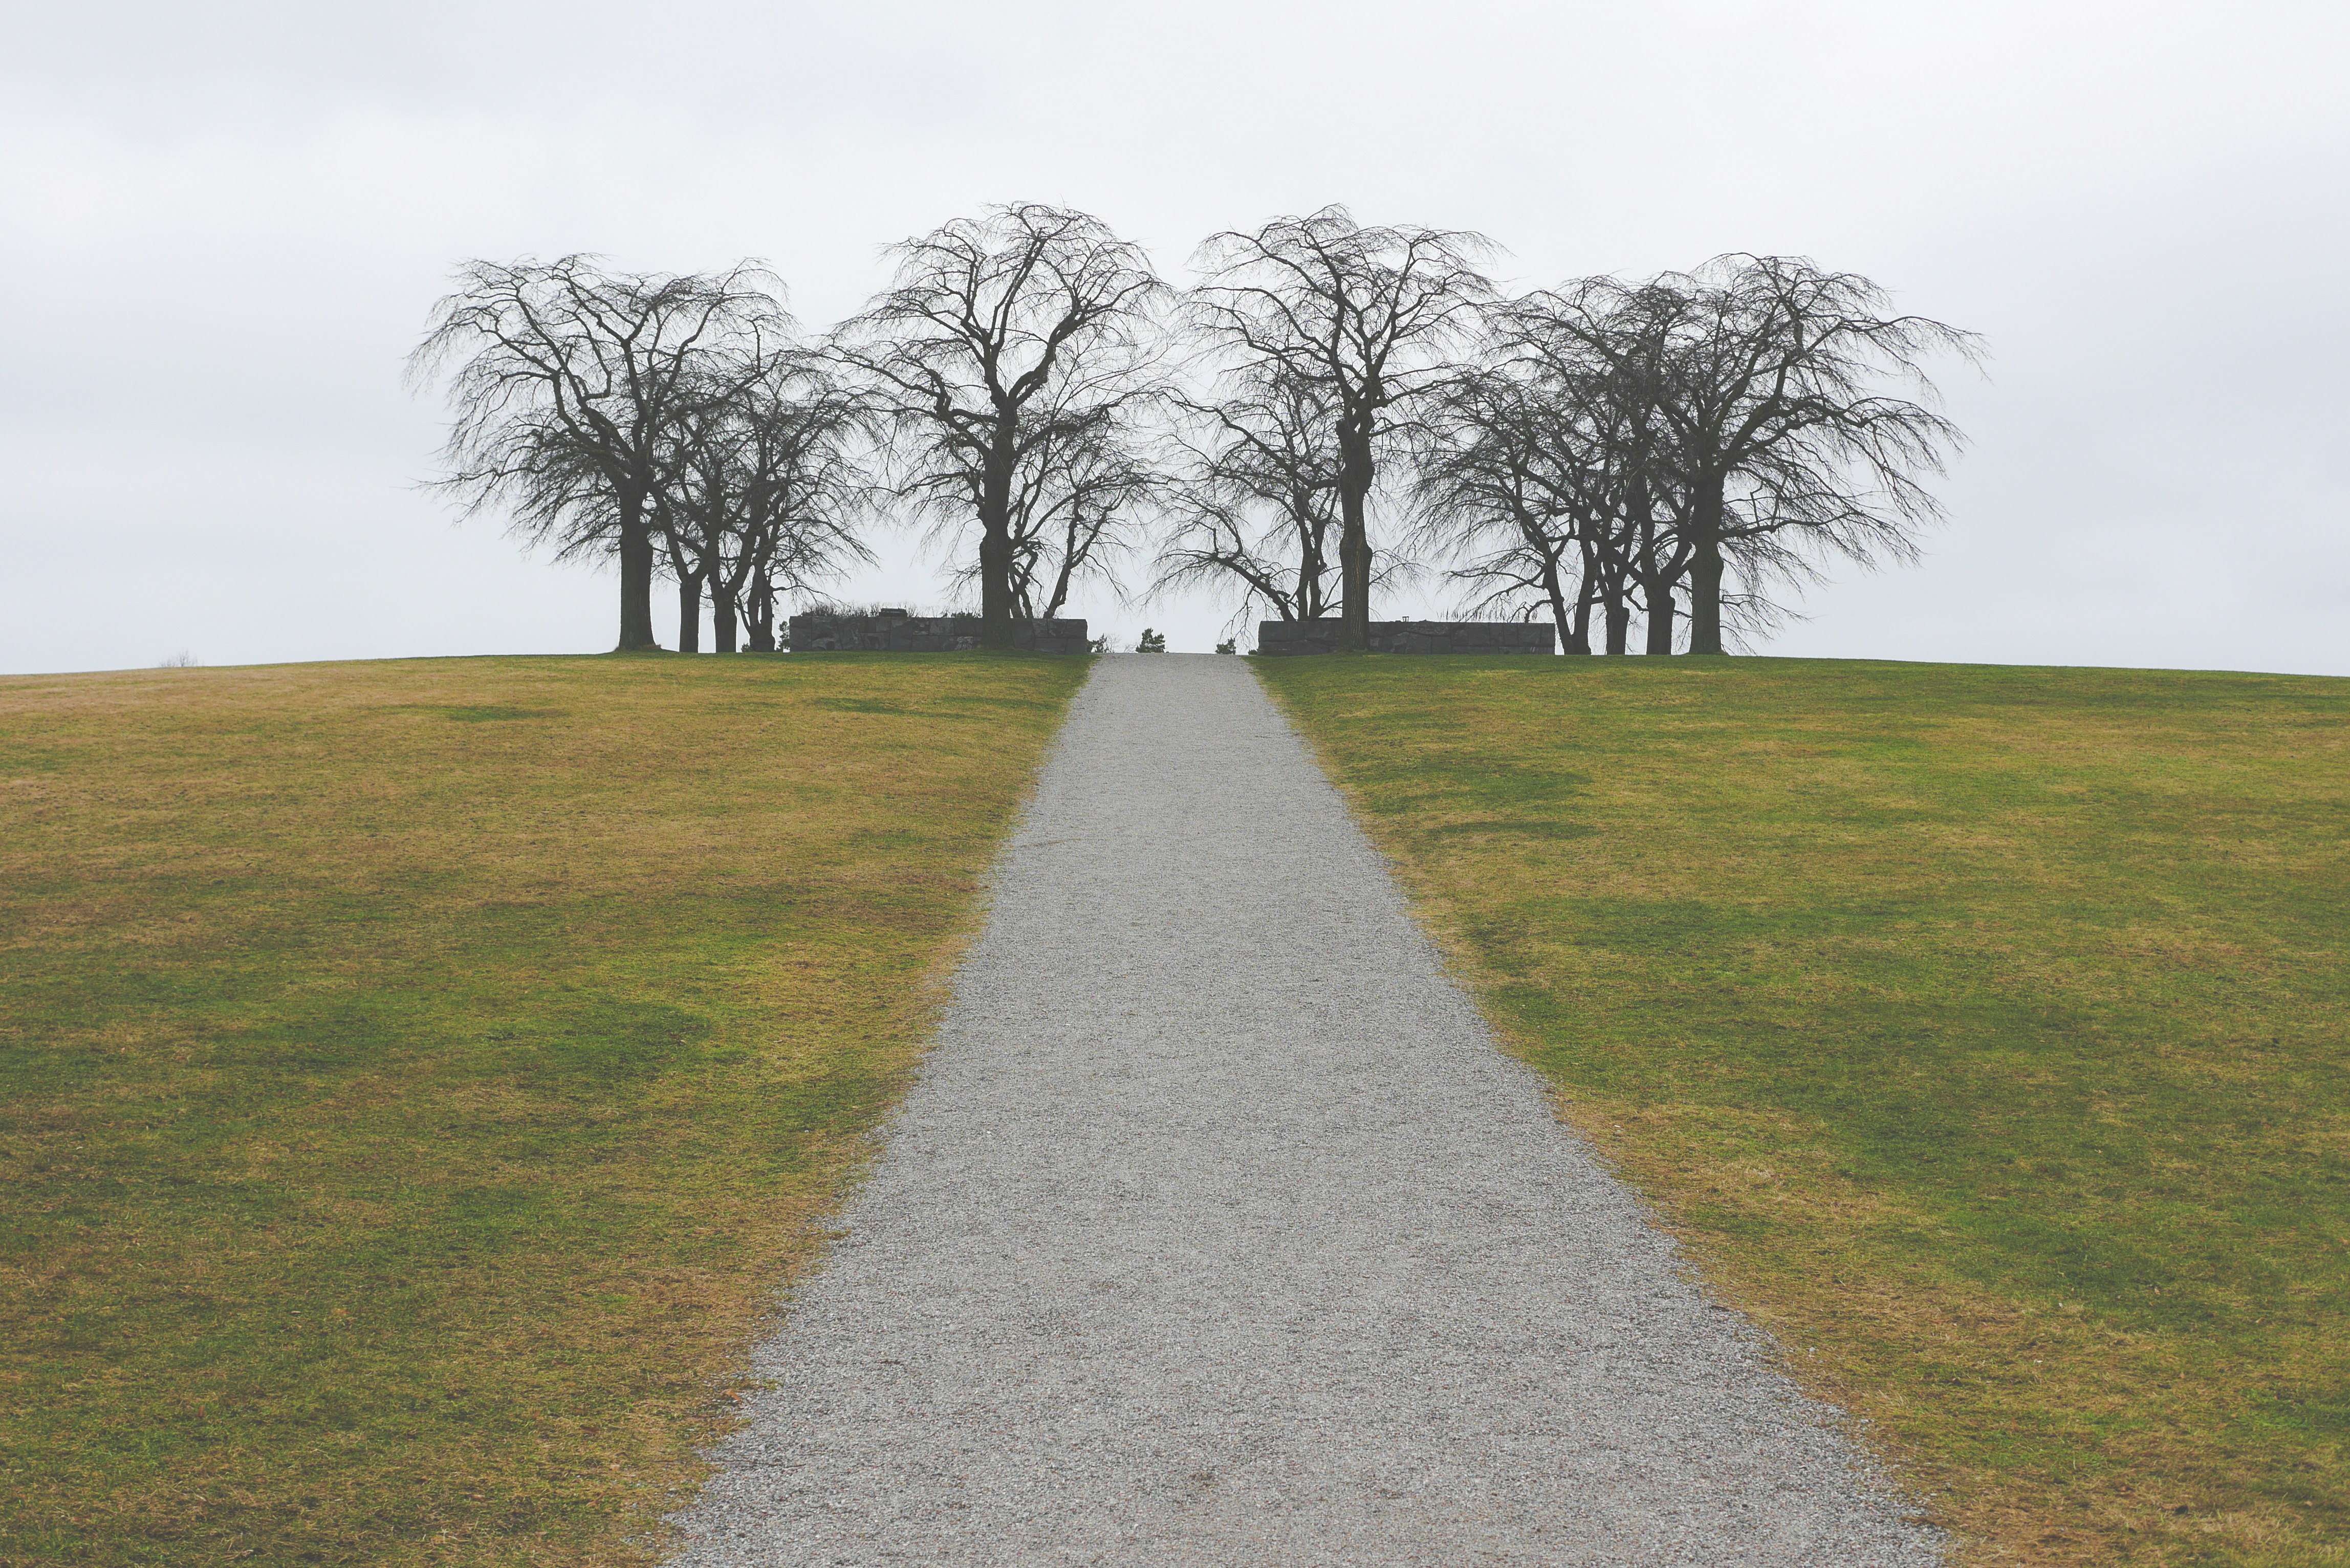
(1218, 1231)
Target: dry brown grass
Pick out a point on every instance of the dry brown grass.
(419, 1076)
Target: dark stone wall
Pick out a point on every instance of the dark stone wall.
(888, 633)
(1486, 637)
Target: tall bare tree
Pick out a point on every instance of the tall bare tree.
(1083, 492)
(1500, 487)
(763, 487)
(1368, 317)
(1539, 472)
(1255, 502)
(991, 320)
(1764, 373)
(567, 378)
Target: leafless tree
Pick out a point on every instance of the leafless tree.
(567, 378)
(762, 489)
(1763, 373)
(1256, 501)
(1538, 474)
(1369, 319)
(1083, 491)
(1511, 484)
(990, 320)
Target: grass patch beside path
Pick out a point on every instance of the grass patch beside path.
(416, 1076)
(1982, 1030)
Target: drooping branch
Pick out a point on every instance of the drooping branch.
(1369, 319)
(991, 320)
(566, 380)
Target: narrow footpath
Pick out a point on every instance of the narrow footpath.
(1217, 1230)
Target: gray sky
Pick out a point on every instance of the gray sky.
(221, 228)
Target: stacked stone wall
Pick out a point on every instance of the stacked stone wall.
(1477, 636)
(891, 632)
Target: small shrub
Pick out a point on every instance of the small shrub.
(1152, 642)
(1230, 644)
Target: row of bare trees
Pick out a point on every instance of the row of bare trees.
(1329, 405)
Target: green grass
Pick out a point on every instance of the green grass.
(1982, 1030)
(417, 1078)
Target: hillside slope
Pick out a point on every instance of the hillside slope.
(416, 1075)
(1982, 1030)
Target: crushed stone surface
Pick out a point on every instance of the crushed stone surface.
(1217, 1230)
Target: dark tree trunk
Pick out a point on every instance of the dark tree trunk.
(1578, 637)
(636, 585)
(995, 542)
(759, 611)
(994, 584)
(724, 621)
(1354, 544)
(1309, 585)
(1619, 622)
(689, 612)
(1705, 574)
(1561, 616)
(1660, 620)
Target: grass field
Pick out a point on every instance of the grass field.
(416, 1077)
(1982, 1031)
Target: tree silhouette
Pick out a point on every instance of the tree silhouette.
(1000, 334)
(1761, 373)
(566, 380)
(1369, 318)
(763, 487)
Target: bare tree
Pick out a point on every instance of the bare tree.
(1081, 491)
(992, 318)
(1256, 501)
(1368, 317)
(1513, 485)
(1538, 472)
(1762, 372)
(566, 380)
(762, 488)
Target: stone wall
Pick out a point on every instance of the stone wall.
(1486, 637)
(894, 631)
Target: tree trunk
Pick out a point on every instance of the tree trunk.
(1313, 568)
(1660, 620)
(995, 542)
(760, 611)
(1705, 574)
(1619, 622)
(1561, 616)
(636, 583)
(1578, 638)
(994, 584)
(724, 620)
(689, 612)
(1354, 543)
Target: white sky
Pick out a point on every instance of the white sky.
(221, 229)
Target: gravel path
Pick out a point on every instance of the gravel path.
(1217, 1231)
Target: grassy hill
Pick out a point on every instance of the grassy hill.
(1982, 1030)
(416, 1076)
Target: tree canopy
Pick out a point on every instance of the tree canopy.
(1329, 407)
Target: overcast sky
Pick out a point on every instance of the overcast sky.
(222, 227)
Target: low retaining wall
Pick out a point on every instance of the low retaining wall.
(897, 633)
(1485, 637)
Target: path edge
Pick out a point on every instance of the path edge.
(1716, 1284)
